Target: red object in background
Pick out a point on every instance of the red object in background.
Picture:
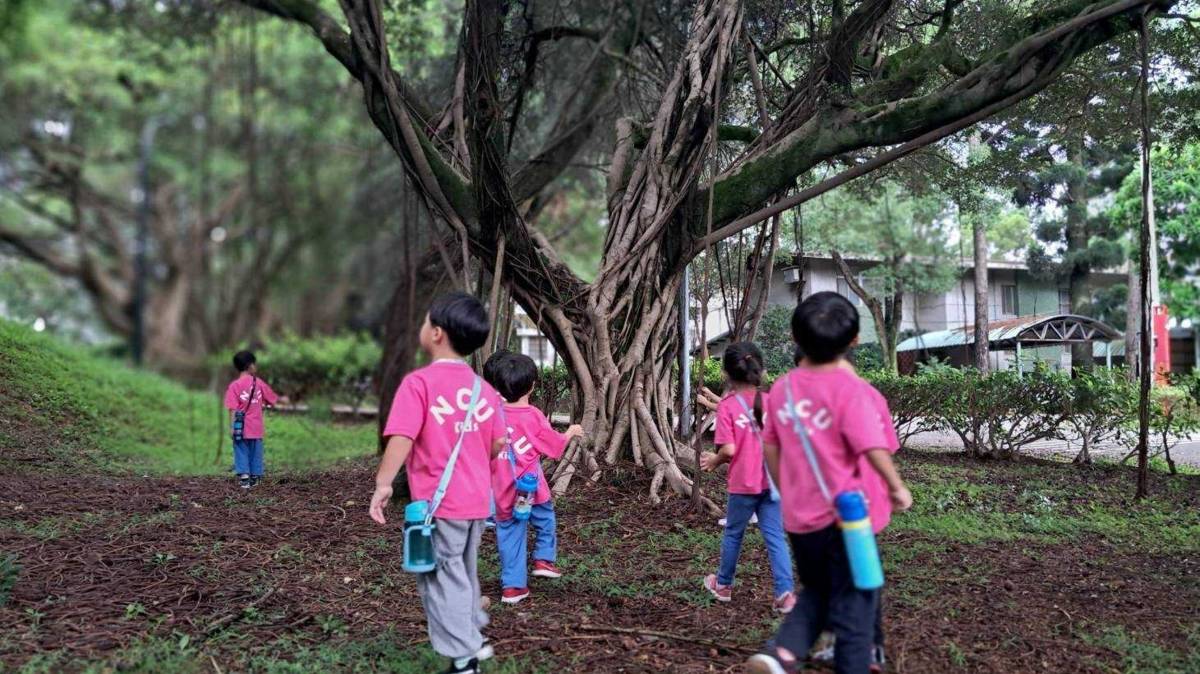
(1162, 344)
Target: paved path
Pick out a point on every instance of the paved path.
(1185, 453)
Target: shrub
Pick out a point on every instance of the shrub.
(912, 400)
(707, 373)
(1174, 416)
(996, 414)
(337, 366)
(1100, 405)
(553, 390)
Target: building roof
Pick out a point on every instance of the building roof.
(964, 264)
(1006, 334)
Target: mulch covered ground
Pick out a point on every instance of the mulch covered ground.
(107, 560)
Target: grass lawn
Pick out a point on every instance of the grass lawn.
(67, 405)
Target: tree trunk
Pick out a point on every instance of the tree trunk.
(982, 351)
(885, 323)
(1133, 320)
(1077, 244)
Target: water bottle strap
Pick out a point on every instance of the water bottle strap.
(805, 440)
(508, 448)
(438, 495)
(758, 436)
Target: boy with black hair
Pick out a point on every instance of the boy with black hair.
(245, 398)
(435, 408)
(846, 429)
(530, 437)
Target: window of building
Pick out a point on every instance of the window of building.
(1064, 301)
(844, 290)
(1008, 300)
(537, 348)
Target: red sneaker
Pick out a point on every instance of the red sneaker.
(544, 569)
(784, 603)
(512, 595)
(720, 592)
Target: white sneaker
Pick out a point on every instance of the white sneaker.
(753, 520)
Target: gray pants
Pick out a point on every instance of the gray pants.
(450, 593)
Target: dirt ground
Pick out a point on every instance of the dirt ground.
(108, 560)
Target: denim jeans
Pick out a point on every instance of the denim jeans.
(830, 601)
(770, 523)
(511, 535)
(248, 457)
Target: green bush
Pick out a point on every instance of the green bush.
(339, 366)
(553, 390)
(707, 373)
(1101, 404)
(912, 400)
(1174, 417)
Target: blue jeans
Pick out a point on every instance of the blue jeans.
(770, 523)
(511, 538)
(248, 457)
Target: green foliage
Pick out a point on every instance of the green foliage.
(72, 402)
(914, 401)
(1176, 175)
(339, 366)
(708, 373)
(775, 340)
(867, 357)
(552, 393)
(1101, 404)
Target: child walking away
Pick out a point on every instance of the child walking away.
(826, 438)
(751, 492)
(245, 398)
(444, 427)
(518, 483)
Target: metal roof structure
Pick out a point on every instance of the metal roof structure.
(1008, 334)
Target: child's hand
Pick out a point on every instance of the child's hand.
(379, 501)
(709, 462)
(902, 498)
(574, 431)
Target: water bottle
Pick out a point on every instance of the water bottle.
(527, 486)
(418, 539)
(860, 540)
(239, 424)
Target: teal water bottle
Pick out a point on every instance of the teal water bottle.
(239, 425)
(418, 539)
(527, 486)
(859, 537)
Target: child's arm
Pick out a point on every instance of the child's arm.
(394, 456)
(771, 454)
(881, 460)
(710, 461)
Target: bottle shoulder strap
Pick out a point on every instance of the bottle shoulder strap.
(444, 483)
(758, 436)
(805, 441)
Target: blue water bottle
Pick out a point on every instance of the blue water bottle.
(527, 486)
(418, 539)
(860, 540)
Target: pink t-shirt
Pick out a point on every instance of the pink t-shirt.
(531, 437)
(747, 475)
(430, 407)
(845, 418)
(237, 397)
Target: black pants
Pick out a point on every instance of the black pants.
(829, 601)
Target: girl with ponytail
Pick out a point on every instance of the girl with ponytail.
(739, 443)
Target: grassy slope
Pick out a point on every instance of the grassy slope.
(81, 408)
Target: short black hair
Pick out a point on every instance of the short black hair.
(797, 355)
(242, 360)
(463, 318)
(824, 325)
(512, 374)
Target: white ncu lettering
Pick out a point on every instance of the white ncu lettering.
(522, 445)
(821, 420)
(741, 421)
(441, 409)
(483, 411)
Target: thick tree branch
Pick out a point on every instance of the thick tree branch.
(1007, 77)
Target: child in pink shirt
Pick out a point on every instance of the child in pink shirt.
(530, 437)
(245, 397)
(846, 422)
(739, 441)
(428, 415)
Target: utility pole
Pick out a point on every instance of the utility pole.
(137, 344)
(685, 358)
